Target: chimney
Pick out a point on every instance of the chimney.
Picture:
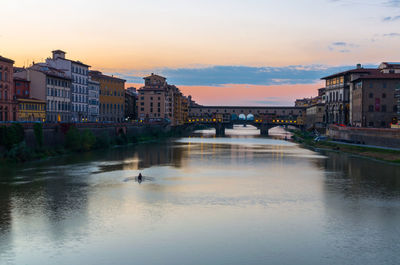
(58, 54)
(359, 66)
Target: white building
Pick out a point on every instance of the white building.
(78, 72)
(93, 100)
(51, 85)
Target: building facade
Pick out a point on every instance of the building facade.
(338, 94)
(21, 88)
(158, 100)
(93, 101)
(78, 72)
(130, 104)
(30, 109)
(52, 86)
(112, 97)
(315, 117)
(8, 106)
(373, 100)
(152, 99)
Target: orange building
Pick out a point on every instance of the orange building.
(112, 97)
(158, 100)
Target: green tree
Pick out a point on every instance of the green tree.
(88, 140)
(73, 139)
(38, 129)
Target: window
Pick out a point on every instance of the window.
(371, 108)
(383, 108)
(384, 85)
(371, 95)
(371, 124)
(383, 95)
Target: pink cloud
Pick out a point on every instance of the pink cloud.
(248, 95)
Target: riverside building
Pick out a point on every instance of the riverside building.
(363, 97)
(52, 86)
(130, 104)
(158, 100)
(78, 72)
(29, 109)
(8, 106)
(93, 101)
(112, 97)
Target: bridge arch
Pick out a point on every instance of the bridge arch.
(234, 117)
(250, 117)
(242, 117)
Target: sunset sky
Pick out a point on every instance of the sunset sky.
(233, 52)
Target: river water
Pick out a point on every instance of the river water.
(242, 199)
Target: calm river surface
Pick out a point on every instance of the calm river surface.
(242, 199)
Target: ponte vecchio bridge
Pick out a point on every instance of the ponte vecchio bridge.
(264, 118)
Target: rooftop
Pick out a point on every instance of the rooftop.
(156, 76)
(378, 76)
(353, 71)
(98, 74)
(4, 59)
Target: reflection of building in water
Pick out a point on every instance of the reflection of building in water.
(364, 176)
(154, 154)
(5, 219)
(360, 201)
(64, 198)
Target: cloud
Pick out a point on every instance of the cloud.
(342, 47)
(221, 75)
(339, 43)
(393, 34)
(391, 19)
(392, 3)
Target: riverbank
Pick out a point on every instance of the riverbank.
(388, 155)
(14, 147)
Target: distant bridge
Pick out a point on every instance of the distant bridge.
(264, 118)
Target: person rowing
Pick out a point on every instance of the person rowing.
(140, 177)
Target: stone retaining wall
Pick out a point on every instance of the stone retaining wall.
(369, 136)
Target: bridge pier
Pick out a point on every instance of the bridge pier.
(220, 129)
(264, 128)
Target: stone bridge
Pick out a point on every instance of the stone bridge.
(264, 118)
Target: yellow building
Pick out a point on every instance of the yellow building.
(112, 97)
(30, 109)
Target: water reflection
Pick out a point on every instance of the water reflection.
(242, 199)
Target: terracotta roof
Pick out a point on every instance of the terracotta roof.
(151, 89)
(379, 76)
(3, 59)
(392, 65)
(31, 100)
(21, 79)
(98, 74)
(153, 75)
(50, 71)
(353, 71)
(58, 51)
